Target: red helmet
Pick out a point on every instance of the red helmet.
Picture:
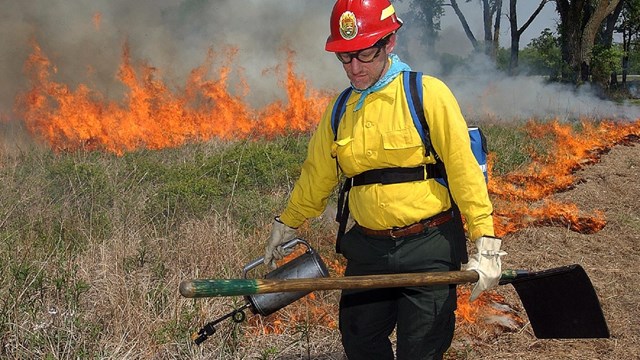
(359, 24)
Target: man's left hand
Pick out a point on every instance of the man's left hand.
(486, 262)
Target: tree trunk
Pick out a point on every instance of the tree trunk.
(626, 46)
(610, 25)
(571, 24)
(515, 38)
(430, 30)
(602, 9)
(465, 25)
(486, 22)
(579, 24)
(517, 33)
(496, 29)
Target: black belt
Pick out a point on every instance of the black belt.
(413, 229)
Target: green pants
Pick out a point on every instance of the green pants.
(424, 316)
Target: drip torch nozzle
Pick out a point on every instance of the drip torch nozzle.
(209, 329)
(204, 333)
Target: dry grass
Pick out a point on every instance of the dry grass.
(116, 297)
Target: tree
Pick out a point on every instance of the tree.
(427, 14)
(490, 9)
(629, 27)
(542, 55)
(604, 62)
(516, 32)
(580, 21)
(605, 40)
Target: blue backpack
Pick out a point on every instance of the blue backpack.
(413, 90)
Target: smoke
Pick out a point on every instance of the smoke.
(484, 92)
(84, 40)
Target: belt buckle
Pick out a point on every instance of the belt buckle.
(391, 232)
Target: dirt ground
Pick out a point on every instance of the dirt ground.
(610, 258)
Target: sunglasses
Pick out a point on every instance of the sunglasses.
(364, 56)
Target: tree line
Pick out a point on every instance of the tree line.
(581, 49)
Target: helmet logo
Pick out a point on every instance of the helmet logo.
(348, 25)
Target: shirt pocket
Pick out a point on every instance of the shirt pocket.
(342, 150)
(401, 139)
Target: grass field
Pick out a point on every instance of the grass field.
(94, 245)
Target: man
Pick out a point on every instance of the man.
(403, 226)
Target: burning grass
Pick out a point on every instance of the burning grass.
(152, 116)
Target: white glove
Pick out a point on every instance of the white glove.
(486, 262)
(280, 234)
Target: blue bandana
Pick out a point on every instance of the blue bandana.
(397, 66)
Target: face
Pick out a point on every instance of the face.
(364, 74)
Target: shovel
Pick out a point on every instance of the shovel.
(561, 303)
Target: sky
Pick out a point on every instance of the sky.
(84, 39)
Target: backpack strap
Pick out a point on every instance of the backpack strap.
(342, 215)
(412, 82)
(339, 107)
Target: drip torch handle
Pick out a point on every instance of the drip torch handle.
(259, 261)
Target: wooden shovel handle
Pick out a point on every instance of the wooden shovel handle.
(197, 288)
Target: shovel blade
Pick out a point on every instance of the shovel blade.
(561, 303)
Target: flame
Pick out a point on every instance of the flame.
(489, 314)
(310, 310)
(521, 197)
(97, 20)
(151, 116)
(569, 152)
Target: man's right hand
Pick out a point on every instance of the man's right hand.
(280, 234)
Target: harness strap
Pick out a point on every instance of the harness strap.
(395, 175)
(342, 214)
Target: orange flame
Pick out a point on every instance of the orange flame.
(516, 194)
(488, 315)
(97, 20)
(152, 116)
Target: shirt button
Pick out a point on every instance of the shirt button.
(369, 124)
(383, 205)
(369, 152)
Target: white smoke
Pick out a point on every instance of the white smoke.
(484, 92)
(174, 37)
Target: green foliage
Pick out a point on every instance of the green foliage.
(542, 56)
(451, 63)
(227, 181)
(604, 61)
(503, 57)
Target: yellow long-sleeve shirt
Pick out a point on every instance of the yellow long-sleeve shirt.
(381, 134)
